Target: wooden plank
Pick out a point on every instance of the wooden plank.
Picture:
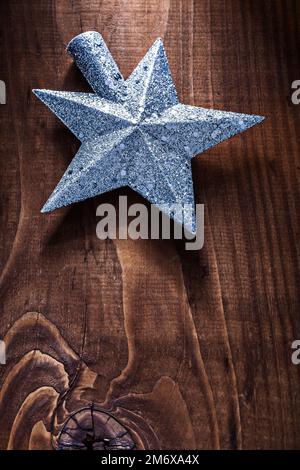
(186, 349)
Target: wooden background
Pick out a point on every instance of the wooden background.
(189, 350)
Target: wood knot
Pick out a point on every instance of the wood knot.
(93, 429)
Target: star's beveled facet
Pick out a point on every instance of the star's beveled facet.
(134, 133)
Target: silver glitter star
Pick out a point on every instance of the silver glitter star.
(134, 132)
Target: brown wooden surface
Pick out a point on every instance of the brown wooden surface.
(187, 349)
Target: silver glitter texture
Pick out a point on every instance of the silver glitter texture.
(134, 132)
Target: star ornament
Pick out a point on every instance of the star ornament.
(134, 132)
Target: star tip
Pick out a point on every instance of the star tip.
(192, 231)
(158, 43)
(161, 44)
(79, 37)
(260, 118)
(90, 32)
(39, 92)
(252, 120)
(45, 209)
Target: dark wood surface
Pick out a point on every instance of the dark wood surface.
(188, 350)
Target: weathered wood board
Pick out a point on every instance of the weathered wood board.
(188, 349)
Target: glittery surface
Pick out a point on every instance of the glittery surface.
(134, 133)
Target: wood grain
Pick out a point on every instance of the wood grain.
(188, 350)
